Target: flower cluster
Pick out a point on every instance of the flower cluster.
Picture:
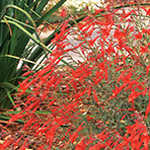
(100, 97)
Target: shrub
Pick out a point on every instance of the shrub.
(101, 99)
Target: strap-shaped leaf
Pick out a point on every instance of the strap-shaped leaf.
(7, 118)
(9, 96)
(28, 34)
(8, 85)
(18, 8)
(41, 6)
(33, 38)
(51, 11)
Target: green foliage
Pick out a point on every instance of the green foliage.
(18, 22)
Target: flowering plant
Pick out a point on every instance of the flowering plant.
(101, 99)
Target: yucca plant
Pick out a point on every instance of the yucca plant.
(18, 22)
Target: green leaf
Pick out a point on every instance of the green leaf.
(41, 6)
(9, 96)
(51, 11)
(18, 8)
(28, 34)
(21, 23)
(37, 112)
(7, 118)
(8, 85)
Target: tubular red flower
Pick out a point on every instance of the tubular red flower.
(75, 134)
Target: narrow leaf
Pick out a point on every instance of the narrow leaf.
(51, 11)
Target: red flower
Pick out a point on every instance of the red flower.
(63, 12)
(146, 31)
(148, 12)
(125, 15)
(133, 96)
(138, 36)
(89, 118)
(75, 134)
(117, 90)
(81, 145)
(95, 97)
(119, 34)
(50, 135)
(148, 107)
(147, 69)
